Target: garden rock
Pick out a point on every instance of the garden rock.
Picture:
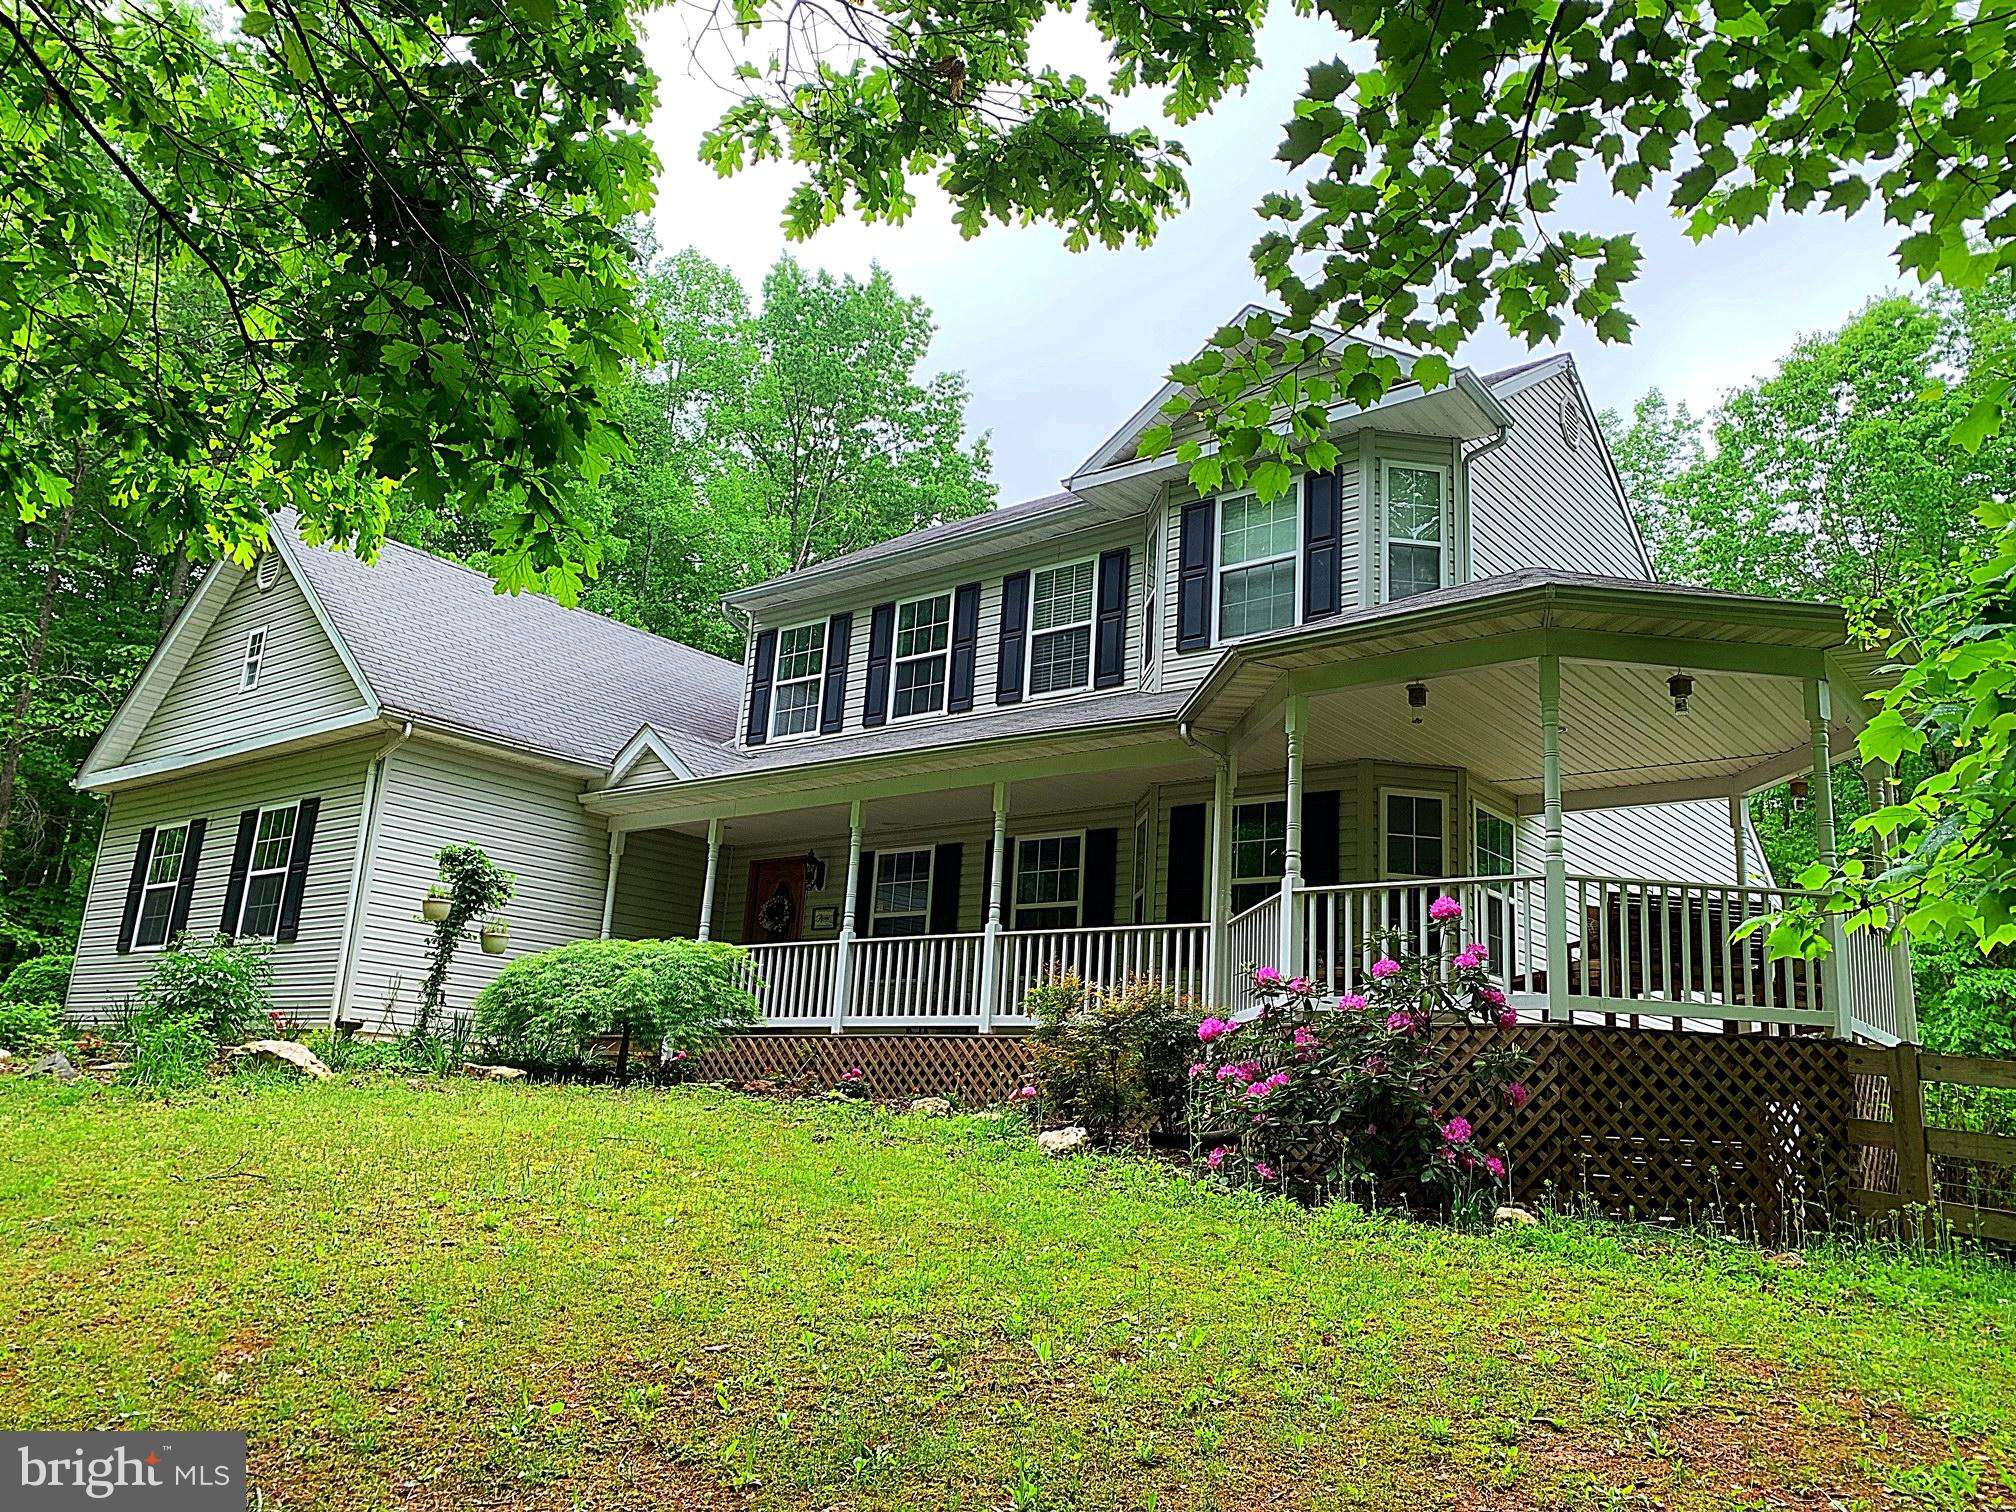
(6, 1055)
(1063, 1141)
(931, 1107)
(1513, 1217)
(278, 1052)
(493, 1073)
(57, 1065)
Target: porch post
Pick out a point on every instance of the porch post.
(1218, 969)
(843, 955)
(1556, 867)
(990, 944)
(1903, 986)
(1819, 708)
(1291, 858)
(707, 887)
(609, 887)
(1738, 833)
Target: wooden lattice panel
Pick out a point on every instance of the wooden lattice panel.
(970, 1069)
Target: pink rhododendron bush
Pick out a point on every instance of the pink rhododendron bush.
(1316, 1094)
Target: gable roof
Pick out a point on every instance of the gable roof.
(438, 644)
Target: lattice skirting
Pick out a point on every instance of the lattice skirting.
(971, 1069)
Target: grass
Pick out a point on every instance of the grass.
(447, 1295)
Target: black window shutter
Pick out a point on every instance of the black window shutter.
(297, 868)
(1193, 576)
(135, 884)
(1185, 896)
(833, 695)
(864, 893)
(1102, 849)
(241, 862)
(1110, 625)
(945, 868)
(965, 646)
(881, 646)
(1014, 628)
(761, 676)
(1319, 839)
(185, 880)
(1322, 549)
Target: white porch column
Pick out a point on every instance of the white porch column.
(1218, 902)
(1291, 860)
(1879, 779)
(843, 959)
(1555, 869)
(1739, 836)
(990, 944)
(609, 887)
(707, 887)
(1819, 709)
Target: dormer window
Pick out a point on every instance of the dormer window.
(1060, 628)
(1417, 533)
(923, 652)
(254, 661)
(1256, 564)
(801, 661)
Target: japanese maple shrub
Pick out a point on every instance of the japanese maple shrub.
(1110, 1060)
(1313, 1094)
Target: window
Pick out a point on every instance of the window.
(902, 901)
(1151, 575)
(1256, 564)
(266, 874)
(1494, 844)
(1141, 870)
(1259, 851)
(1047, 881)
(1413, 834)
(255, 660)
(1060, 628)
(157, 895)
(923, 634)
(1416, 559)
(801, 659)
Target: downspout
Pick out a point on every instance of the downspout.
(1503, 434)
(360, 869)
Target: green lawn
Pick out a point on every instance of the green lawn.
(450, 1295)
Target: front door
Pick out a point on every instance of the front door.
(775, 911)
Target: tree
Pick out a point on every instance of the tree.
(410, 216)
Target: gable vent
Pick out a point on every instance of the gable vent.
(1571, 422)
(268, 571)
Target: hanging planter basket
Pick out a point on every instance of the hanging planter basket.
(495, 937)
(434, 909)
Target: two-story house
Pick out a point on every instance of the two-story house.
(1121, 728)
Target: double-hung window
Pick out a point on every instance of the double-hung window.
(1049, 881)
(254, 661)
(1417, 550)
(157, 894)
(266, 874)
(1256, 564)
(923, 655)
(902, 901)
(1496, 856)
(1060, 628)
(801, 659)
(1413, 829)
(1259, 851)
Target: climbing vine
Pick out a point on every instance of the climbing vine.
(476, 887)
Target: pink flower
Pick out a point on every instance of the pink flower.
(1352, 1002)
(1217, 1157)
(1259, 1089)
(1373, 1065)
(1490, 995)
(1266, 976)
(1197, 1069)
(1385, 967)
(1214, 1028)
(852, 1073)
(678, 1055)
(1304, 1036)
(1516, 1093)
(1478, 950)
(1467, 962)
(1508, 1018)
(1025, 1094)
(1263, 1170)
(1277, 1081)
(1495, 1166)
(1457, 1130)
(1400, 1023)
(1298, 985)
(1445, 908)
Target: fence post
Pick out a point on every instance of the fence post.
(1907, 1115)
(843, 954)
(990, 939)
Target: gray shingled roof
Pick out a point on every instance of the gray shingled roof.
(437, 642)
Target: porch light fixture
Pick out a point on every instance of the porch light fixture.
(1417, 701)
(1799, 790)
(815, 872)
(1681, 687)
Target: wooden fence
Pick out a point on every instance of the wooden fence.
(1912, 1170)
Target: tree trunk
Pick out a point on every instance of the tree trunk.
(178, 588)
(38, 648)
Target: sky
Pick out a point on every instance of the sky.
(1059, 348)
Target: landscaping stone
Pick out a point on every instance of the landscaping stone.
(1513, 1217)
(279, 1052)
(1063, 1141)
(56, 1064)
(931, 1107)
(5, 1056)
(493, 1073)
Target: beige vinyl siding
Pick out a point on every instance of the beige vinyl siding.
(1538, 502)
(529, 822)
(1683, 841)
(302, 678)
(304, 969)
(658, 882)
(648, 768)
(1257, 787)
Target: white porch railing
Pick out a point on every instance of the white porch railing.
(1173, 954)
(1253, 938)
(916, 981)
(1346, 928)
(793, 983)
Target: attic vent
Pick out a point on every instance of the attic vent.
(268, 571)
(1571, 422)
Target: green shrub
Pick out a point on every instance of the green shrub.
(39, 979)
(30, 1028)
(165, 1053)
(1116, 1062)
(197, 996)
(549, 1009)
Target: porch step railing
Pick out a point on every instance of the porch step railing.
(1253, 938)
(1344, 929)
(793, 983)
